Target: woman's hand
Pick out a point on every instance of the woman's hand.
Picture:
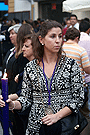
(2, 103)
(11, 104)
(16, 78)
(50, 119)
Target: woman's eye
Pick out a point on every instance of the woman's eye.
(53, 36)
(60, 36)
(26, 46)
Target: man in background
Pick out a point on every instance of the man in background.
(74, 21)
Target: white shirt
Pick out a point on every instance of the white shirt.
(75, 26)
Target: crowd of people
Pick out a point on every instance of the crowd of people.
(48, 70)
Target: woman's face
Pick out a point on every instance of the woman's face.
(13, 37)
(27, 49)
(53, 40)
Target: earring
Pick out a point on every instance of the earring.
(42, 44)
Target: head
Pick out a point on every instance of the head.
(72, 34)
(86, 19)
(73, 19)
(39, 20)
(35, 24)
(15, 21)
(49, 32)
(24, 30)
(84, 26)
(13, 30)
(68, 23)
(27, 47)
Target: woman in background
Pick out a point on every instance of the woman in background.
(15, 66)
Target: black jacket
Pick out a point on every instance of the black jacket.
(14, 67)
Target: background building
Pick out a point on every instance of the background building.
(3, 8)
(33, 9)
(50, 9)
(79, 7)
(19, 9)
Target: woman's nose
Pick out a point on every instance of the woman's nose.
(10, 35)
(22, 48)
(57, 39)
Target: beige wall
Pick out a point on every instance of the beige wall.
(10, 6)
(82, 14)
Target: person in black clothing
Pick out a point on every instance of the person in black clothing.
(15, 67)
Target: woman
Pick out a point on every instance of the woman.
(51, 86)
(15, 62)
(22, 118)
(10, 64)
(21, 61)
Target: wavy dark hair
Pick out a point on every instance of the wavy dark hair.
(23, 31)
(38, 49)
(72, 33)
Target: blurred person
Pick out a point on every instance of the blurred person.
(74, 51)
(4, 26)
(9, 60)
(74, 21)
(0, 24)
(84, 42)
(39, 20)
(24, 30)
(21, 118)
(42, 21)
(87, 19)
(17, 63)
(27, 21)
(68, 24)
(47, 72)
(9, 65)
(36, 26)
(15, 21)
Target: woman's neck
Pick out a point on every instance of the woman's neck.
(15, 46)
(50, 58)
(31, 58)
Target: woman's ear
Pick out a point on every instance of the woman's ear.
(41, 40)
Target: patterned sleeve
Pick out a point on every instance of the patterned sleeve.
(26, 93)
(77, 88)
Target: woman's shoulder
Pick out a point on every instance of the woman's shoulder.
(67, 60)
(22, 59)
(32, 63)
(71, 61)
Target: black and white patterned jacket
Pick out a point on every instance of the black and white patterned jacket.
(66, 90)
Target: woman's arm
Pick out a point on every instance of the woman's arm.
(13, 97)
(25, 96)
(53, 118)
(14, 105)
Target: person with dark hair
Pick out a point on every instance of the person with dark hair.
(36, 26)
(68, 24)
(14, 64)
(4, 26)
(48, 88)
(39, 20)
(84, 42)
(74, 21)
(73, 50)
(86, 19)
(84, 27)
